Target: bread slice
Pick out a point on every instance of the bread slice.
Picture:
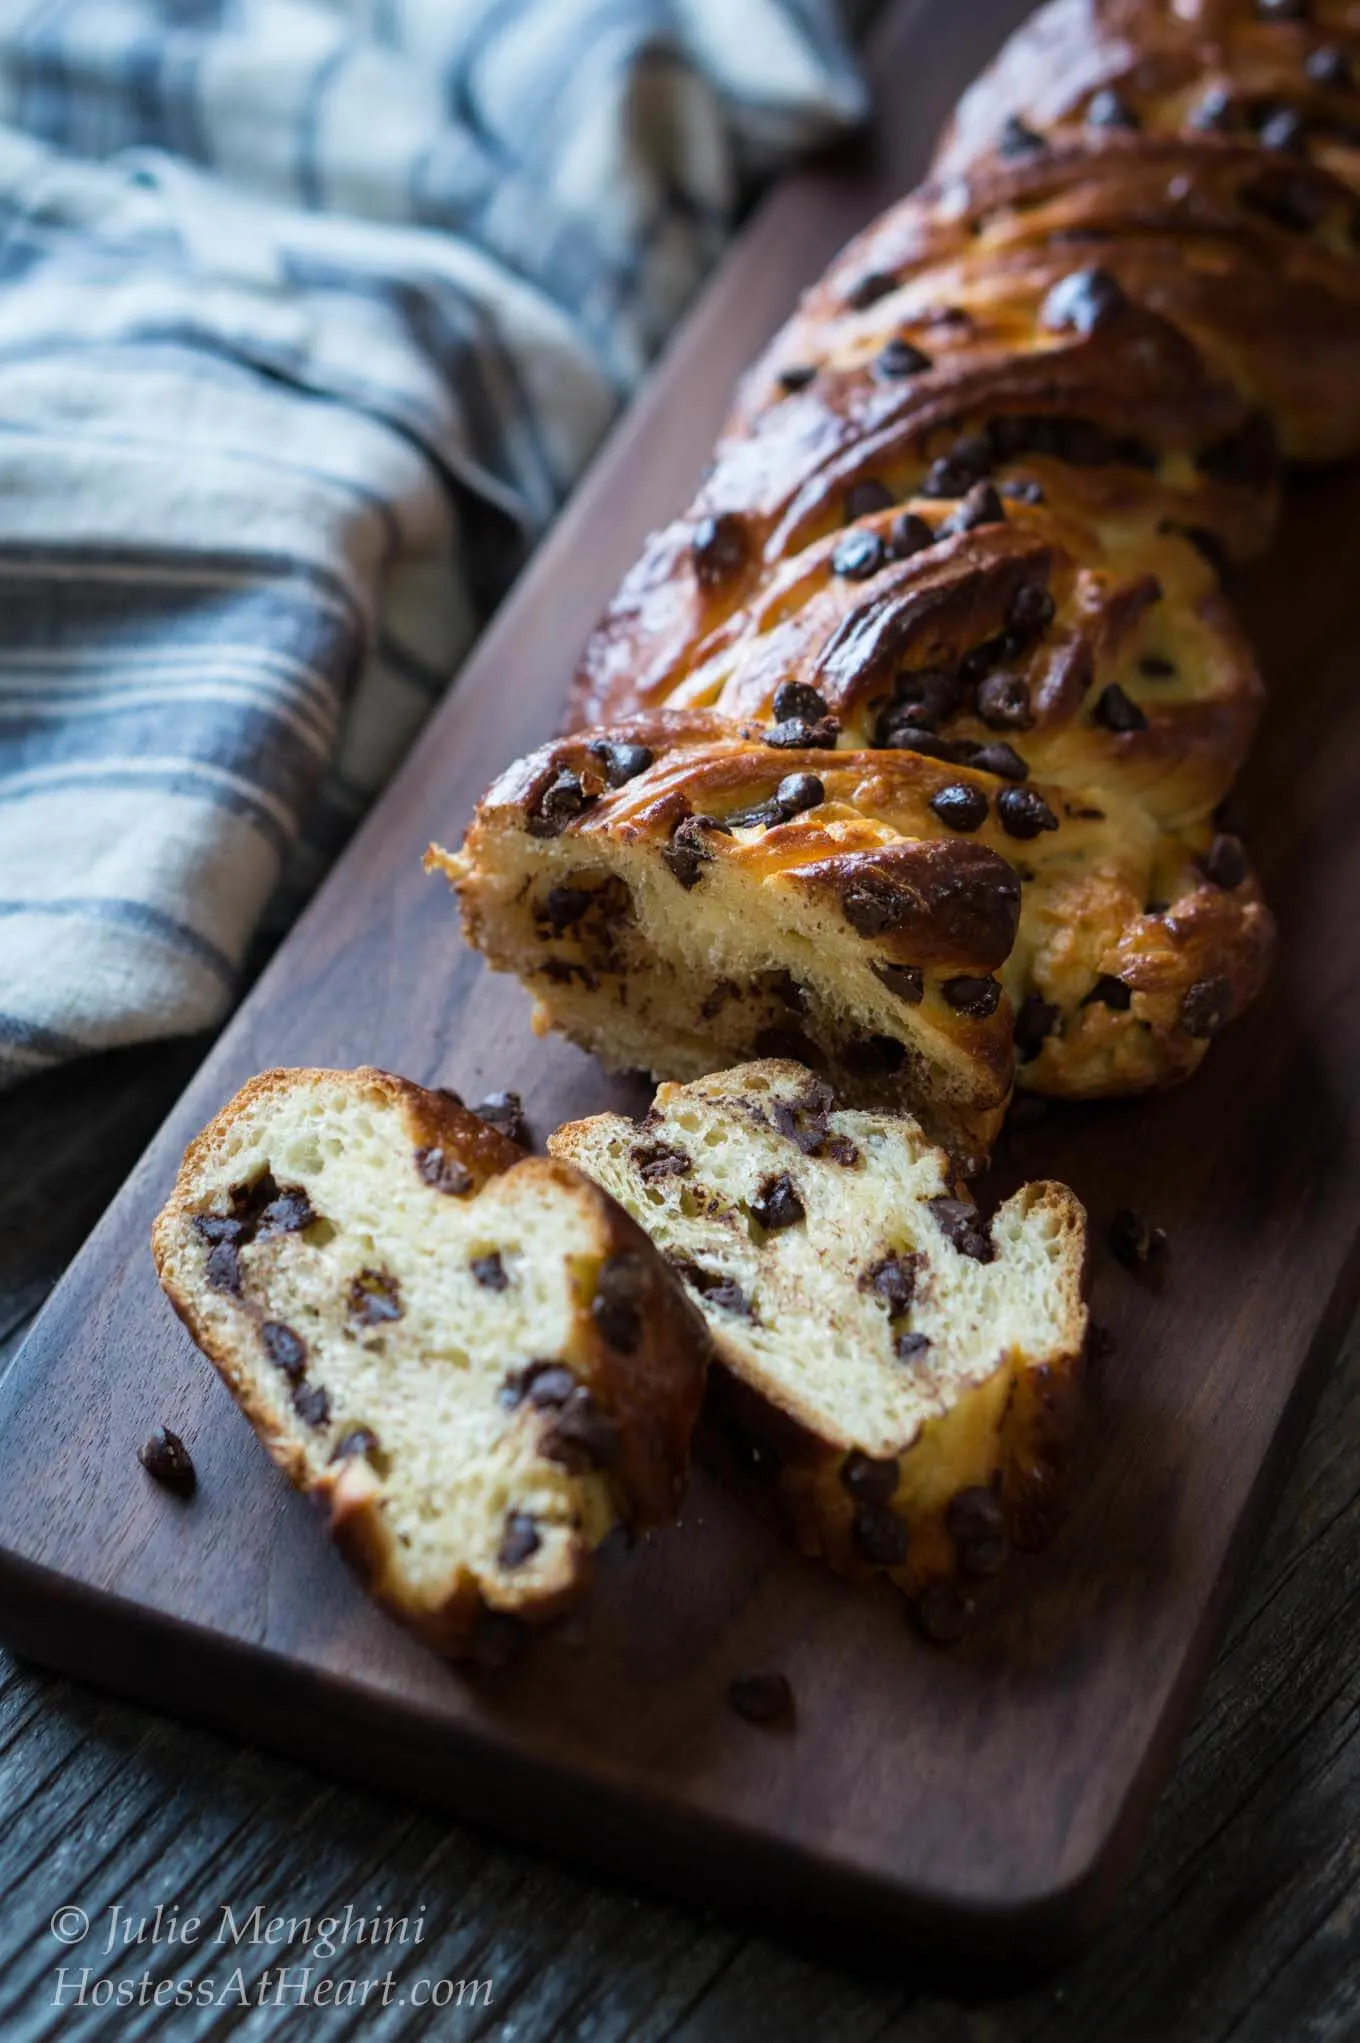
(912, 1366)
(472, 1355)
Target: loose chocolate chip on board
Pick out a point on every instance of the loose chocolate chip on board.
(1108, 109)
(910, 534)
(489, 1271)
(981, 506)
(1016, 139)
(285, 1348)
(777, 1204)
(1002, 760)
(443, 1173)
(901, 358)
(223, 1270)
(910, 1347)
(761, 1699)
(312, 1404)
(961, 806)
(872, 1482)
(893, 1279)
(581, 1437)
(1133, 1240)
(559, 804)
(880, 1537)
(1225, 862)
(519, 1541)
(1003, 702)
(621, 762)
(797, 376)
(168, 1461)
(358, 1440)
(906, 981)
(374, 1298)
(620, 1291)
(859, 555)
(1024, 813)
(963, 1227)
(869, 288)
(1330, 66)
(504, 1111)
(720, 549)
(1109, 992)
(1207, 1005)
(1034, 1023)
(944, 1612)
(971, 995)
(1083, 302)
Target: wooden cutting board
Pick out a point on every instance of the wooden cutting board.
(986, 1800)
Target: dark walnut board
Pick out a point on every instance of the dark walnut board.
(985, 1801)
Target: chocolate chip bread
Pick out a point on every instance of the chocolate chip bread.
(473, 1356)
(965, 529)
(908, 1367)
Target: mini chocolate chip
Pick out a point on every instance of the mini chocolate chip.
(1225, 862)
(880, 1536)
(947, 477)
(559, 804)
(1206, 1006)
(563, 907)
(798, 792)
(288, 1213)
(1002, 760)
(311, 1403)
(443, 1173)
(1003, 701)
(873, 1482)
(866, 498)
(963, 1227)
(869, 288)
(777, 1204)
(286, 1349)
(715, 1288)
(1034, 1023)
(900, 358)
(489, 1271)
(1154, 667)
(358, 1440)
(1023, 812)
(1330, 66)
(1083, 302)
(719, 549)
(761, 1699)
(898, 730)
(971, 995)
(859, 555)
(1031, 610)
(622, 1286)
(795, 699)
(960, 806)
(943, 1613)
(975, 1513)
(893, 1279)
(687, 853)
(906, 981)
(545, 1384)
(1214, 110)
(797, 376)
(215, 1227)
(658, 1162)
(580, 1436)
(504, 1111)
(1284, 132)
(910, 534)
(519, 1540)
(1016, 139)
(168, 1461)
(907, 1347)
(621, 762)
(1109, 109)
(223, 1270)
(981, 506)
(797, 736)
(1109, 992)
(1133, 1240)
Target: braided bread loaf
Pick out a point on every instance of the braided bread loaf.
(906, 741)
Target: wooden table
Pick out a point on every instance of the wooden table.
(1243, 1922)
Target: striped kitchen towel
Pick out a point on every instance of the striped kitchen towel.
(311, 311)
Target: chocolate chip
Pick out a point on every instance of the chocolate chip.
(288, 1213)
(519, 1540)
(687, 853)
(621, 762)
(777, 1204)
(797, 376)
(1214, 111)
(581, 1437)
(286, 1349)
(961, 806)
(215, 1227)
(1022, 489)
(893, 1279)
(1154, 667)
(623, 1285)
(1002, 760)
(715, 1288)
(1206, 1006)
(1083, 302)
(1330, 66)
(906, 981)
(867, 498)
(489, 1271)
(797, 736)
(871, 903)
(971, 995)
(1283, 132)
(504, 1111)
(795, 699)
(1133, 1241)
(981, 506)
(943, 1613)
(1109, 992)
(900, 358)
(358, 1440)
(947, 477)
(443, 1173)
(658, 1162)
(907, 1347)
(963, 1227)
(872, 1482)
(1031, 610)
(859, 555)
(899, 729)
(1003, 701)
(798, 792)
(1023, 812)
(761, 1699)
(1016, 139)
(311, 1403)
(1225, 862)
(1034, 1023)
(880, 1536)
(1109, 109)
(910, 534)
(869, 288)
(563, 907)
(168, 1461)
(1283, 10)
(544, 1384)
(223, 1270)
(719, 549)
(975, 1514)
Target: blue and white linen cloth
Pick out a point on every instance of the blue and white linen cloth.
(311, 311)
